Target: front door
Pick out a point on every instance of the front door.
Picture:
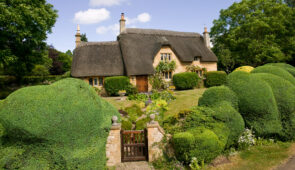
(142, 83)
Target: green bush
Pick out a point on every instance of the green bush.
(215, 78)
(284, 93)
(214, 95)
(287, 67)
(40, 70)
(2, 131)
(182, 143)
(7, 81)
(257, 103)
(114, 84)
(68, 118)
(126, 125)
(141, 124)
(139, 97)
(187, 80)
(134, 112)
(276, 71)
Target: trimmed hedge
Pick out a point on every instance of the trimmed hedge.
(257, 103)
(114, 84)
(276, 71)
(214, 95)
(186, 80)
(68, 119)
(247, 69)
(215, 78)
(287, 67)
(284, 93)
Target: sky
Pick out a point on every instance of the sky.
(99, 19)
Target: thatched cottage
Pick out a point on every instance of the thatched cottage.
(137, 52)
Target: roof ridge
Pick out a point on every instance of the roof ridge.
(160, 32)
(82, 44)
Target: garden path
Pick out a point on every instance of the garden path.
(290, 165)
(135, 166)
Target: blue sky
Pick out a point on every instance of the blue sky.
(99, 18)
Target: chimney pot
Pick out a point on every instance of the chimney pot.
(122, 23)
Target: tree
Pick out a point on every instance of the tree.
(23, 28)
(61, 62)
(84, 37)
(254, 32)
(69, 53)
(291, 3)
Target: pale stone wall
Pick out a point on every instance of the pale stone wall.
(180, 66)
(155, 135)
(113, 146)
(133, 80)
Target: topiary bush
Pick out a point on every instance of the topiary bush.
(276, 71)
(214, 95)
(247, 69)
(215, 78)
(287, 67)
(67, 118)
(113, 84)
(184, 81)
(284, 93)
(257, 103)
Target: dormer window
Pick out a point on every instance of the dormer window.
(165, 56)
(196, 58)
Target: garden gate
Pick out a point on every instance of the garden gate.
(134, 145)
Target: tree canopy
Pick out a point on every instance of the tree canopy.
(254, 32)
(23, 28)
(84, 37)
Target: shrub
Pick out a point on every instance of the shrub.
(214, 95)
(126, 124)
(276, 71)
(141, 124)
(284, 93)
(215, 78)
(287, 67)
(187, 80)
(164, 95)
(68, 118)
(2, 131)
(134, 112)
(247, 69)
(40, 70)
(114, 84)
(139, 97)
(182, 143)
(257, 103)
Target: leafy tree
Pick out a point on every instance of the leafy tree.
(61, 62)
(84, 37)
(254, 32)
(291, 3)
(69, 53)
(23, 28)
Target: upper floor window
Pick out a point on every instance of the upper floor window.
(165, 56)
(196, 58)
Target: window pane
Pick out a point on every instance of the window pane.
(169, 57)
(100, 81)
(166, 75)
(95, 81)
(170, 75)
(162, 56)
(91, 81)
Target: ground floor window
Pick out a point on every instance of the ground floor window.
(95, 81)
(167, 75)
(200, 73)
(90, 81)
(100, 81)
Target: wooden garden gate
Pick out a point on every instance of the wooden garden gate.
(134, 146)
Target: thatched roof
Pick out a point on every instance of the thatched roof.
(97, 59)
(139, 47)
(135, 51)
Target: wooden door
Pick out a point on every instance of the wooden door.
(142, 83)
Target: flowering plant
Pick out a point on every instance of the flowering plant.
(247, 139)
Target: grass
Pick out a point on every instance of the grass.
(119, 104)
(259, 157)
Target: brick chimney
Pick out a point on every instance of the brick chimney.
(206, 38)
(122, 23)
(78, 36)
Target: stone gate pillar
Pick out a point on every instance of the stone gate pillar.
(113, 146)
(155, 135)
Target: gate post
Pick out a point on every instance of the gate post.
(155, 135)
(113, 146)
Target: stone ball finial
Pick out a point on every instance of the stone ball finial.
(114, 120)
(153, 116)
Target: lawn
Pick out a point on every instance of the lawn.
(259, 157)
(184, 100)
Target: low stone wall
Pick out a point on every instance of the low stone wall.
(113, 146)
(155, 135)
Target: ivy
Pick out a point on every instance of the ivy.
(163, 67)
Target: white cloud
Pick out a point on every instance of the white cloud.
(92, 16)
(111, 28)
(142, 18)
(96, 3)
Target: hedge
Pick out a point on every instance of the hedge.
(214, 95)
(114, 84)
(284, 93)
(186, 80)
(247, 69)
(287, 67)
(257, 103)
(215, 78)
(68, 119)
(276, 71)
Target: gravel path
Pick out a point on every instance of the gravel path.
(134, 166)
(290, 165)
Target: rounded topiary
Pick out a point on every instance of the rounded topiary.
(184, 81)
(183, 143)
(287, 67)
(214, 95)
(113, 85)
(276, 71)
(284, 93)
(67, 118)
(257, 103)
(215, 78)
(2, 131)
(247, 69)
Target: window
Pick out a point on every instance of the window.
(100, 81)
(168, 75)
(162, 58)
(90, 81)
(196, 58)
(169, 57)
(95, 81)
(165, 56)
